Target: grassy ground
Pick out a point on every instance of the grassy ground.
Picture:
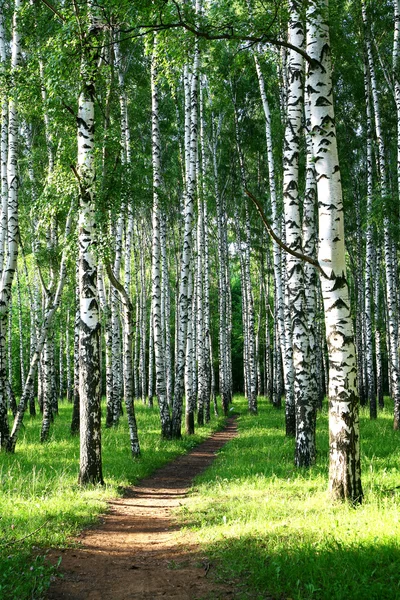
(40, 498)
(273, 529)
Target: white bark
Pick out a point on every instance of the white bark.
(89, 333)
(283, 343)
(305, 407)
(7, 274)
(156, 267)
(184, 299)
(369, 261)
(344, 469)
(52, 304)
(391, 297)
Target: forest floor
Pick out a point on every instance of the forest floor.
(138, 550)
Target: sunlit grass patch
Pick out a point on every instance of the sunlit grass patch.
(41, 504)
(273, 527)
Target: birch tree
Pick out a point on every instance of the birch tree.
(184, 299)
(344, 439)
(89, 331)
(304, 397)
(157, 273)
(12, 232)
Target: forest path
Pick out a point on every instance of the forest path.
(137, 551)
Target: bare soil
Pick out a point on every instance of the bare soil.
(138, 551)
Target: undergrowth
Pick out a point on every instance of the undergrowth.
(41, 504)
(272, 528)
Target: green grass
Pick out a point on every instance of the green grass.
(40, 498)
(272, 528)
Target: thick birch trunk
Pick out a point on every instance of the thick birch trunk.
(89, 334)
(305, 406)
(344, 469)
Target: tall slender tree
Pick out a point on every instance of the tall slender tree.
(344, 437)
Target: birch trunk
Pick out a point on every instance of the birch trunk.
(108, 337)
(391, 298)
(128, 362)
(282, 344)
(247, 294)
(369, 261)
(184, 300)
(7, 274)
(311, 284)
(224, 349)
(156, 268)
(89, 332)
(76, 403)
(305, 407)
(53, 302)
(344, 468)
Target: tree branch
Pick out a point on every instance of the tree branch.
(281, 244)
(54, 10)
(118, 285)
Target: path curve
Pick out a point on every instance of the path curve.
(137, 552)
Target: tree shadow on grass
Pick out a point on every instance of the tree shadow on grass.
(328, 572)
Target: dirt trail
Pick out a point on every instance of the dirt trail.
(137, 551)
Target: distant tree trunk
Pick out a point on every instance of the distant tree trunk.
(184, 299)
(76, 403)
(377, 332)
(166, 313)
(142, 326)
(128, 362)
(157, 272)
(190, 397)
(282, 343)
(390, 259)
(108, 334)
(68, 358)
(344, 468)
(369, 262)
(116, 359)
(247, 293)
(224, 349)
(52, 304)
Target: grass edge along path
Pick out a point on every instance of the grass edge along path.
(272, 528)
(41, 504)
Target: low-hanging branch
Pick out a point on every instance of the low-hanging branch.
(282, 245)
(213, 33)
(118, 285)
